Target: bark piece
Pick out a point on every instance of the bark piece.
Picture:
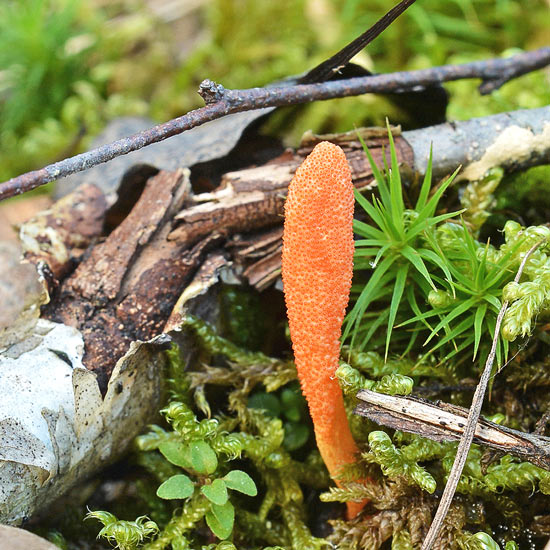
(125, 289)
(259, 257)
(235, 213)
(514, 141)
(446, 422)
(58, 236)
(19, 286)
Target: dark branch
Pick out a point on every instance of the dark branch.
(221, 102)
(327, 68)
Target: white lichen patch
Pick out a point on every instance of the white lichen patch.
(513, 145)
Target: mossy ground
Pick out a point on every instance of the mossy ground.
(86, 62)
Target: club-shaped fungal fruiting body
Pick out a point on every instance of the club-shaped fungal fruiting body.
(317, 271)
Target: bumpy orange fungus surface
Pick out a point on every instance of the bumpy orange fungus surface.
(317, 271)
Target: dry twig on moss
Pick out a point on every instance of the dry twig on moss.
(221, 102)
(471, 424)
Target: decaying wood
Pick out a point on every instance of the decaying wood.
(258, 257)
(60, 234)
(446, 422)
(125, 289)
(126, 286)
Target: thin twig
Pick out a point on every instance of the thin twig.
(221, 102)
(471, 424)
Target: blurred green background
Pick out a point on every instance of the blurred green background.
(67, 67)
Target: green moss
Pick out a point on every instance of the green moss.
(191, 459)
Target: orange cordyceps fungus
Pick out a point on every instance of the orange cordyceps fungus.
(317, 271)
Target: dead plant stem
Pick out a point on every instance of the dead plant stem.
(469, 430)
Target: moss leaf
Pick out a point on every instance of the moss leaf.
(220, 519)
(216, 492)
(203, 458)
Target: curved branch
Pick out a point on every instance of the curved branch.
(221, 102)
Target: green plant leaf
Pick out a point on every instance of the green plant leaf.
(463, 327)
(411, 298)
(393, 226)
(431, 256)
(479, 541)
(452, 314)
(372, 212)
(293, 404)
(398, 206)
(380, 253)
(216, 492)
(426, 184)
(176, 452)
(494, 301)
(398, 289)
(422, 223)
(266, 402)
(478, 322)
(220, 519)
(380, 180)
(296, 435)
(242, 482)
(431, 206)
(365, 297)
(414, 257)
(375, 325)
(176, 487)
(203, 458)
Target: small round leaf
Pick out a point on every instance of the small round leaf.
(296, 435)
(176, 452)
(179, 486)
(203, 458)
(293, 404)
(216, 492)
(220, 519)
(267, 402)
(242, 482)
